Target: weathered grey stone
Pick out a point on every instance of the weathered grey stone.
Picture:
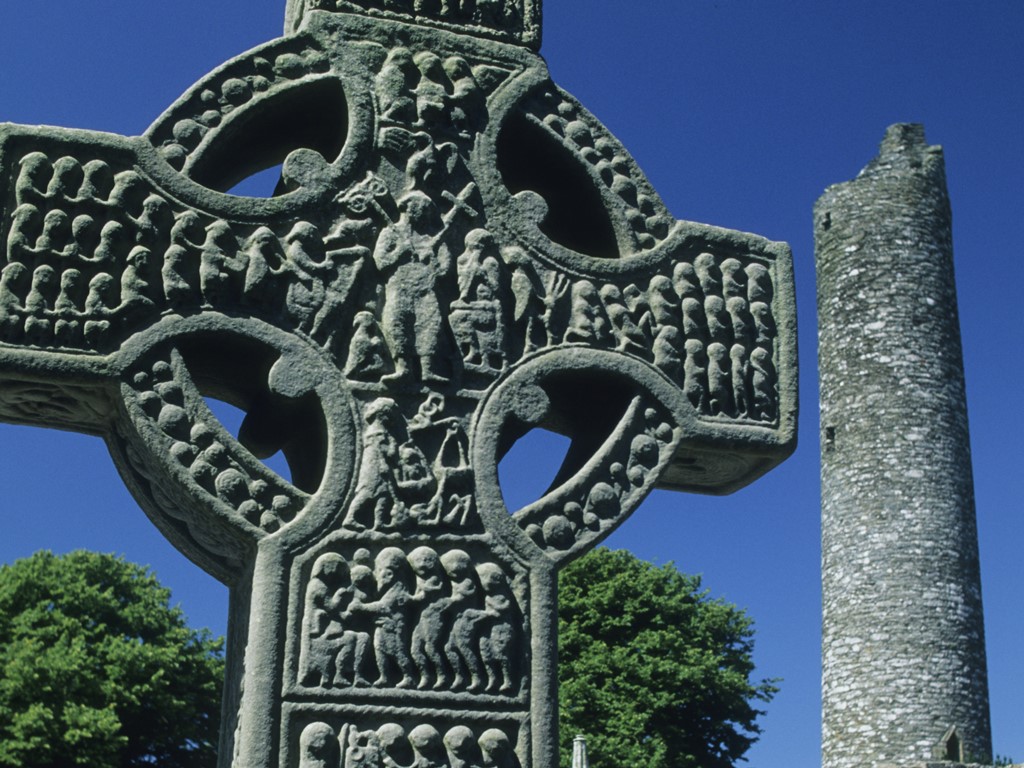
(904, 676)
(459, 252)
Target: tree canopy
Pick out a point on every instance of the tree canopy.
(652, 671)
(99, 670)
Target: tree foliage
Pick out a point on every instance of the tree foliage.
(652, 671)
(99, 670)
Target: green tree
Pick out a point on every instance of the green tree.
(97, 669)
(651, 670)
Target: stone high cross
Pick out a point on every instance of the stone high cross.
(457, 252)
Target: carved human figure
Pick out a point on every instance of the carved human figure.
(738, 375)
(134, 285)
(55, 238)
(318, 747)
(663, 302)
(113, 246)
(430, 165)
(430, 601)
(394, 87)
(100, 303)
(431, 93)
(462, 647)
(68, 308)
(305, 261)
(39, 305)
(742, 322)
(26, 226)
(376, 494)
(764, 324)
(65, 182)
(695, 375)
(685, 281)
(412, 258)
(734, 279)
(639, 308)
(666, 351)
(762, 383)
(759, 283)
(390, 612)
(489, 12)
(468, 102)
(428, 747)
(13, 287)
(128, 193)
(97, 182)
(179, 271)
(219, 264)
(359, 627)
(84, 236)
(367, 352)
(327, 597)
(694, 324)
(463, 750)
(416, 482)
(264, 264)
(719, 384)
(587, 322)
(33, 177)
(497, 749)
(630, 337)
(709, 275)
(476, 316)
(153, 225)
(719, 323)
(394, 746)
(496, 628)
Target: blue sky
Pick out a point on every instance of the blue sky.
(741, 113)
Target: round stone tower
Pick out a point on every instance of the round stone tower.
(903, 645)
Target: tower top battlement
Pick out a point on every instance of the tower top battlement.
(513, 21)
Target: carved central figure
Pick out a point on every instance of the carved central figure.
(457, 252)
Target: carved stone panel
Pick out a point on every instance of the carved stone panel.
(457, 253)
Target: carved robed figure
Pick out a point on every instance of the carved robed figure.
(457, 253)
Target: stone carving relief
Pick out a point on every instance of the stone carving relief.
(517, 20)
(392, 744)
(424, 287)
(414, 620)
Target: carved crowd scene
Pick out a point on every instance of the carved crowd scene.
(397, 286)
(392, 745)
(515, 19)
(210, 457)
(571, 515)
(427, 619)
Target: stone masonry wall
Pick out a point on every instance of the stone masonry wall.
(903, 638)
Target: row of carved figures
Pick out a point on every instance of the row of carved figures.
(648, 223)
(490, 13)
(725, 364)
(208, 461)
(423, 92)
(238, 84)
(392, 746)
(418, 620)
(557, 522)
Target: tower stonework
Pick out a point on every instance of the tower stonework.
(904, 676)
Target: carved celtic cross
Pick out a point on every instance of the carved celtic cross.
(457, 252)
